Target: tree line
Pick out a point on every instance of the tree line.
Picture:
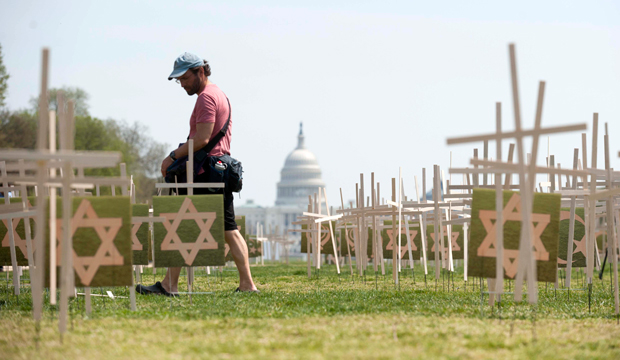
(141, 153)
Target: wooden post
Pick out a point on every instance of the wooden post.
(400, 224)
(571, 224)
(357, 234)
(363, 226)
(591, 241)
(395, 249)
(346, 235)
(331, 232)
(39, 272)
(422, 230)
(379, 238)
(375, 238)
(66, 270)
(499, 209)
(27, 231)
(611, 237)
(436, 216)
(190, 192)
(60, 101)
(317, 235)
(526, 261)
(465, 250)
(124, 191)
(408, 235)
(11, 232)
(87, 303)
(190, 166)
(485, 154)
(309, 241)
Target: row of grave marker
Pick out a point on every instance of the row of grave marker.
(107, 234)
(499, 246)
(491, 249)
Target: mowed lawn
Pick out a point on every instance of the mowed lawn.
(328, 316)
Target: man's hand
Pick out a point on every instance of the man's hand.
(165, 165)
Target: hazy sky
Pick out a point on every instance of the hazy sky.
(376, 85)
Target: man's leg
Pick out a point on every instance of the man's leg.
(239, 251)
(171, 280)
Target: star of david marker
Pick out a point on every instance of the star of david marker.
(22, 244)
(580, 244)
(454, 238)
(19, 242)
(325, 237)
(107, 254)
(512, 212)
(205, 240)
(403, 249)
(350, 235)
(135, 242)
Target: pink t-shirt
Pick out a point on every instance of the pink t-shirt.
(212, 107)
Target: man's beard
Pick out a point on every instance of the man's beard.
(194, 88)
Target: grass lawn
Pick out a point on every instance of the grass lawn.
(324, 317)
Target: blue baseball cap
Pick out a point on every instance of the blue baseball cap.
(183, 63)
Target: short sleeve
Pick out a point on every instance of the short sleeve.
(205, 109)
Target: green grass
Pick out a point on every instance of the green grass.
(326, 316)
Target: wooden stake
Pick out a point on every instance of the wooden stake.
(611, 237)
(190, 166)
(526, 261)
(346, 234)
(11, 232)
(395, 251)
(571, 225)
(591, 240)
(422, 230)
(436, 216)
(66, 269)
(375, 237)
(39, 271)
(331, 232)
(499, 209)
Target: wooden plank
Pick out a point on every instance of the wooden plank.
(591, 217)
(66, 265)
(395, 251)
(514, 168)
(10, 232)
(520, 133)
(525, 248)
(345, 240)
(436, 213)
(189, 186)
(611, 237)
(571, 225)
(499, 207)
(331, 231)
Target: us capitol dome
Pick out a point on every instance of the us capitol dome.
(300, 176)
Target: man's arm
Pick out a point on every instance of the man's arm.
(201, 138)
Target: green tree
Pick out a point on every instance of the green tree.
(141, 154)
(4, 77)
(18, 129)
(78, 95)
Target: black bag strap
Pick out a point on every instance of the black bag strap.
(216, 139)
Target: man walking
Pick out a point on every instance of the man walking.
(209, 116)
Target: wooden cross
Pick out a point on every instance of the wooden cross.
(526, 175)
(42, 159)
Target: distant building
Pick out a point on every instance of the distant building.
(300, 177)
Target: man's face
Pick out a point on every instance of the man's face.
(190, 82)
